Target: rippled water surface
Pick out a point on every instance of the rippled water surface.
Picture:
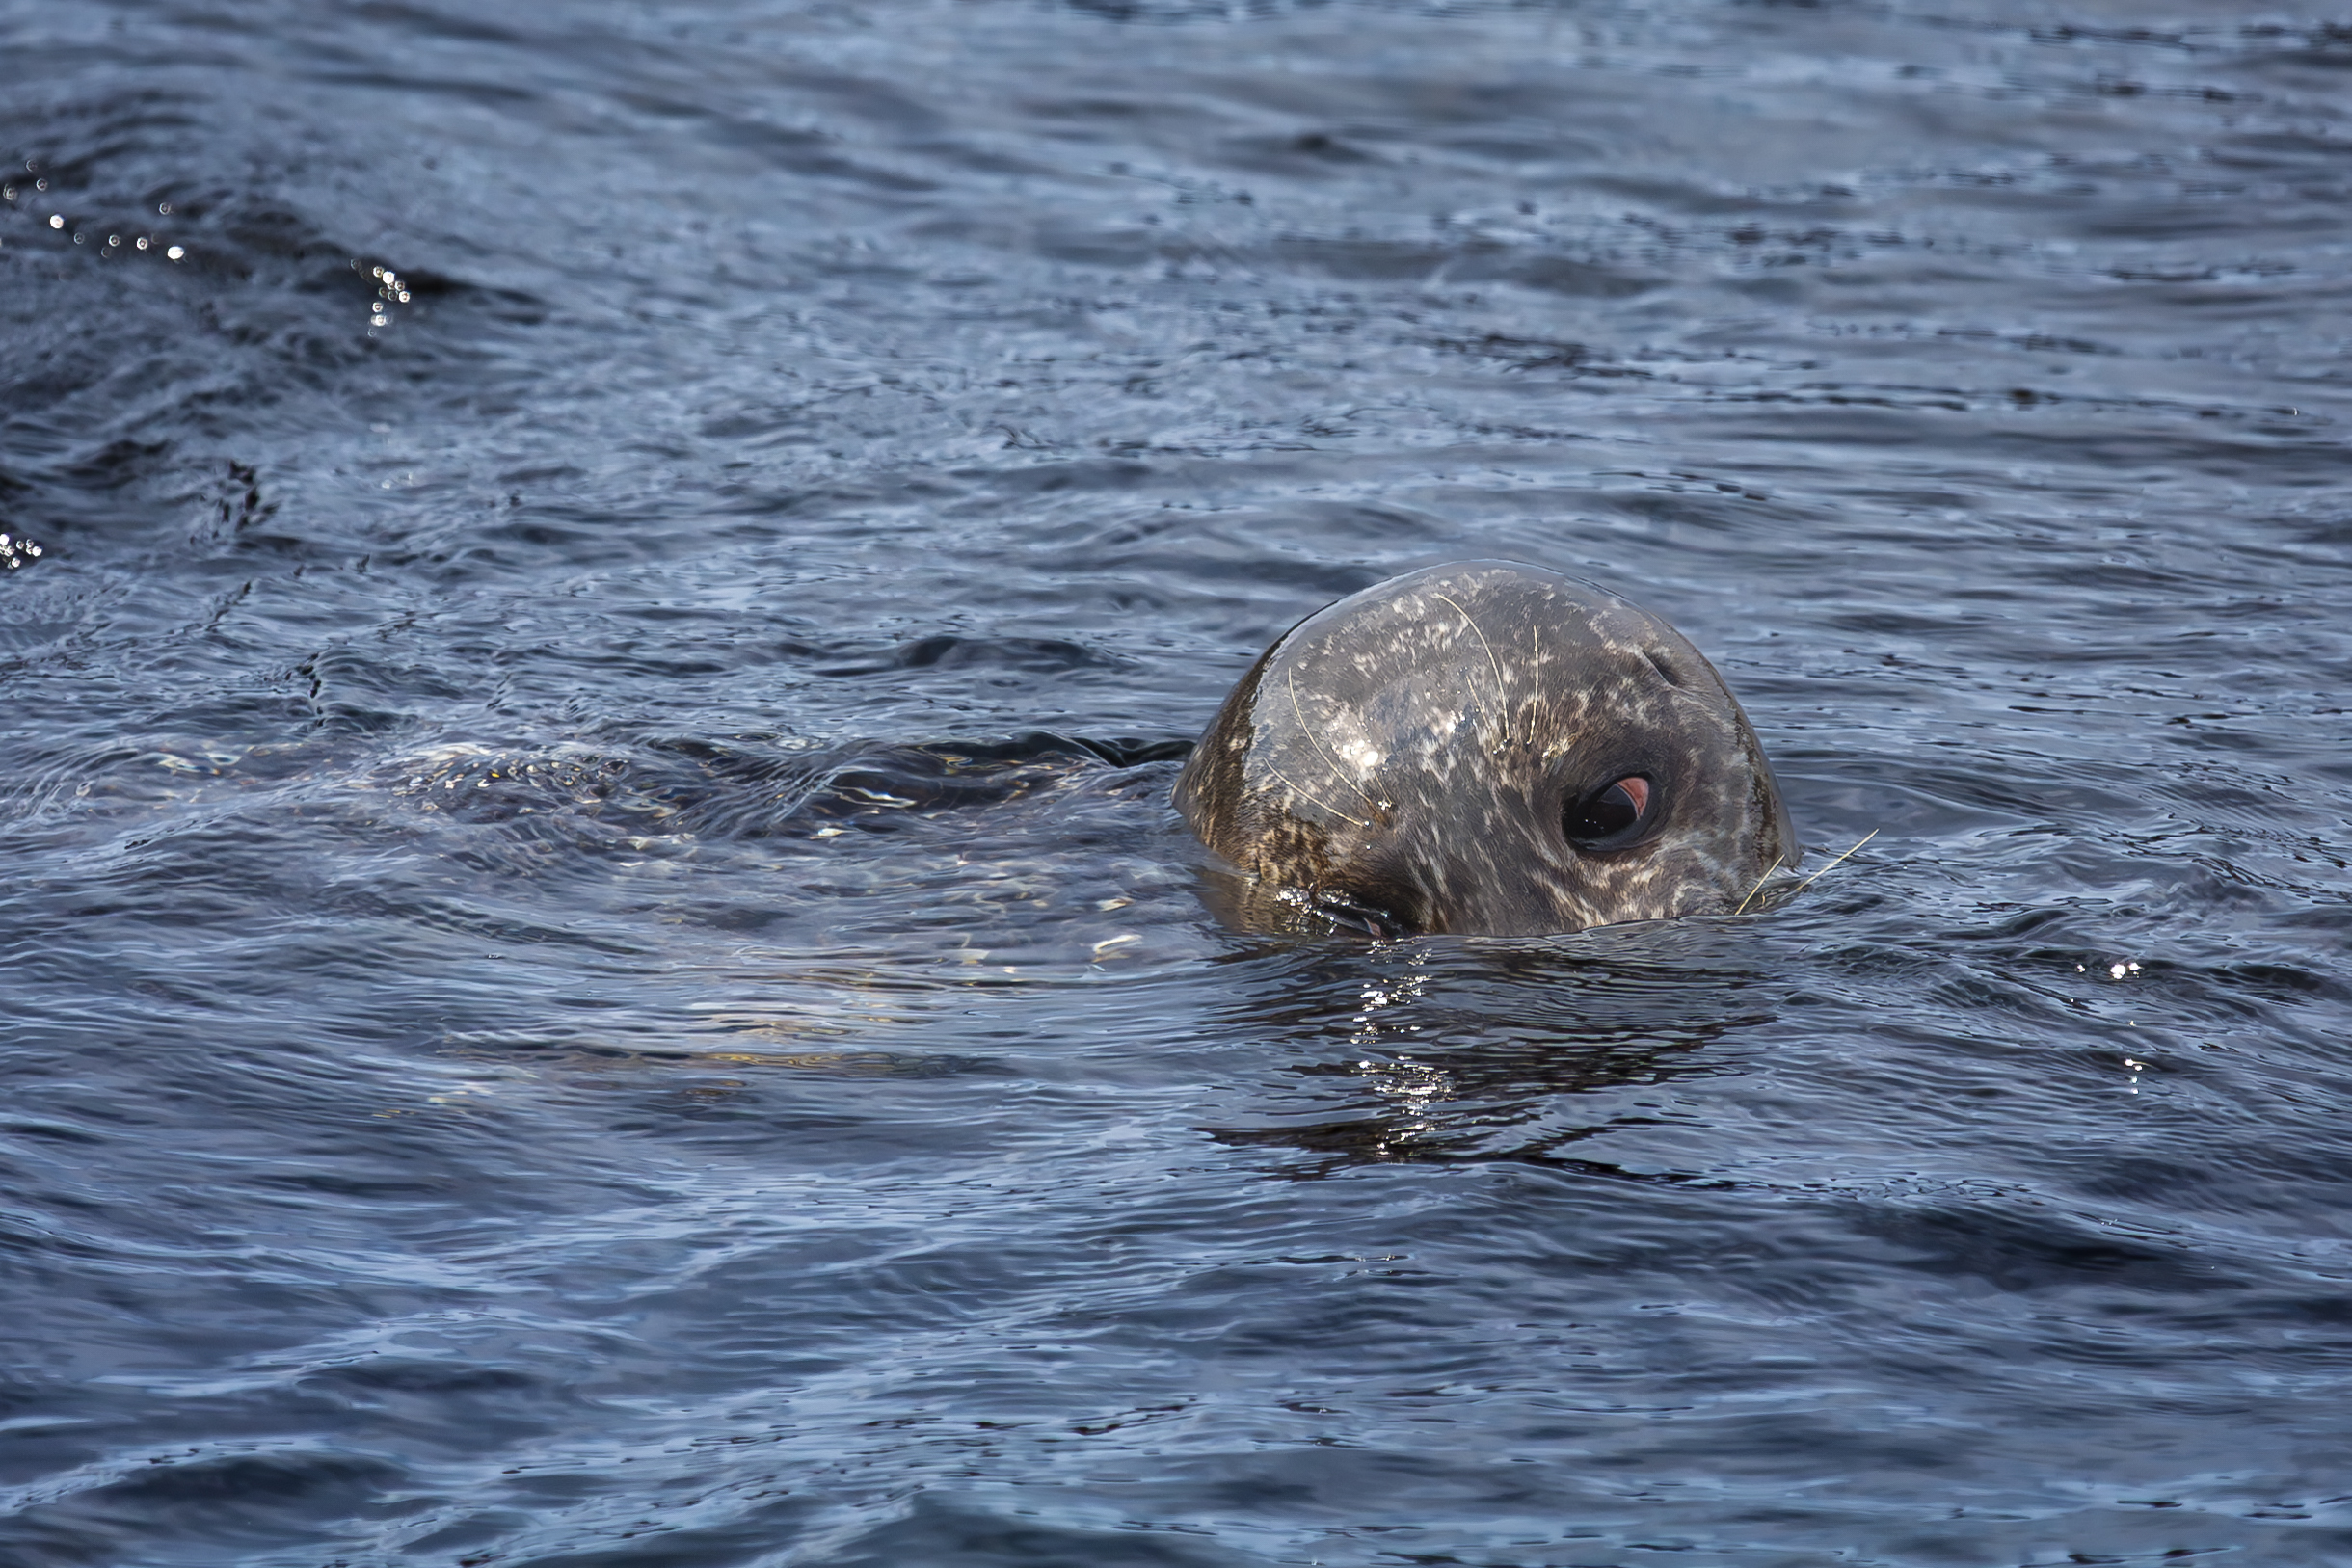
(599, 607)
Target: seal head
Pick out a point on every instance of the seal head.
(1487, 749)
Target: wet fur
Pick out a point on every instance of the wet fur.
(1412, 751)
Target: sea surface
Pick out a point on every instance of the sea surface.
(602, 600)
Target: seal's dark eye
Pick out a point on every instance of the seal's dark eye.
(1610, 816)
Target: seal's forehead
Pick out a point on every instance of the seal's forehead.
(1531, 609)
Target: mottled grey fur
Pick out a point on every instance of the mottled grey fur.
(1412, 750)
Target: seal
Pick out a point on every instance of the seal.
(1486, 749)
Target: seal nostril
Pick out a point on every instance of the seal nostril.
(1660, 662)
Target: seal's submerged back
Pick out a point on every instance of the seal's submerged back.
(1489, 749)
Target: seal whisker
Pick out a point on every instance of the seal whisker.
(1827, 869)
(1317, 799)
(1337, 771)
(1759, 883)
(1535, 673)
(1502, 688)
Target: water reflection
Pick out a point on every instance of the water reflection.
(1451, 1050)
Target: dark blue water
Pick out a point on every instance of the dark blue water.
(597, 969)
